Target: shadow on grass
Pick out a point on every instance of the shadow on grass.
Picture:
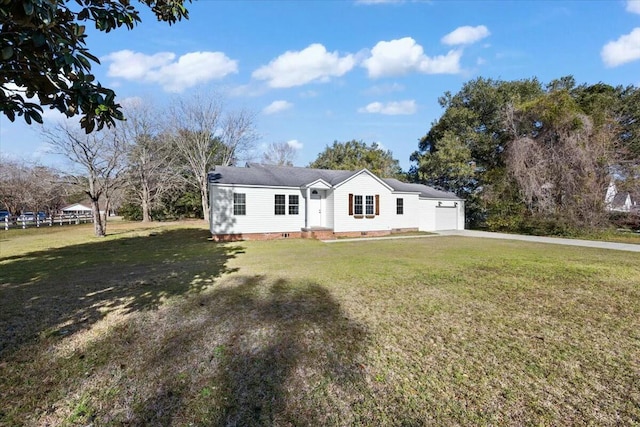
(249, 352)
(60, 291)
(259, 353)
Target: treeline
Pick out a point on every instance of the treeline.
(28, 187)
(152, 166)
(531, 157)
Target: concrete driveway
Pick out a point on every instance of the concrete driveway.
(553, 240)
(490, 235)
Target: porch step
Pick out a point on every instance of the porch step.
(318, 233)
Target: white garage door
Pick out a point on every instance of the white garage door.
(446, 218)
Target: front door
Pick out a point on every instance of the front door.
(316, 215)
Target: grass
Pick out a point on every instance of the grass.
(619, 236)
(163, 327)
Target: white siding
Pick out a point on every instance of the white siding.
(363, 184)
(427, 221)
(260, 217)
(411, 214)
(329, 209)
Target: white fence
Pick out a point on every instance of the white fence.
(46, 222)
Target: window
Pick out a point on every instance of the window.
(279, 204)
(369, 206)
(399, 206)
(294, 204)
(357, 205)
(239, 204)
(360, 205)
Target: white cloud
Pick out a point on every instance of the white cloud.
(276, 107)
(131, 65)
(466, 35)
(391, 108)
(401, 56)
(296, 68)
(295, 144)
(173, 75)
(633, 6)
(625, 49)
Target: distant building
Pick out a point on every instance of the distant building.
(620, 201)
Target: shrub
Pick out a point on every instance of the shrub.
(626, 220)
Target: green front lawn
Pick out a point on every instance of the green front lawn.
(163, 327)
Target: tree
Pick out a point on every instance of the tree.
(151, 170)
(44, 54)
(16, 178)
(619, 105)
(355, 155)
(279, 154)
(100, 156)
(204, 135)
(559, 160)
(522, 153)
(27, 187)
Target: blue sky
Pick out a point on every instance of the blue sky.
(319, 71)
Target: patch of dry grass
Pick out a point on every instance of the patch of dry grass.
(171, 329)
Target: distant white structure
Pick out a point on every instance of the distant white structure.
(619, 201)
(76, 209)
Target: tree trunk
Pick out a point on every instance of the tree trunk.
(204, 193)
(106, 214)
(145, 202)
(98, 226)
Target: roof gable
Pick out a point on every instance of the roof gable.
(319, 183)
(365, 172)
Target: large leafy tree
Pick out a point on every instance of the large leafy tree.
(462, 152)
(355, 155)
(521, 152)
(44, 54)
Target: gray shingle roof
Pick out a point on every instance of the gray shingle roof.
(424, 190)
(279, 176)
(287, 176)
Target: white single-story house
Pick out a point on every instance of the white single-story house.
(266, 202)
